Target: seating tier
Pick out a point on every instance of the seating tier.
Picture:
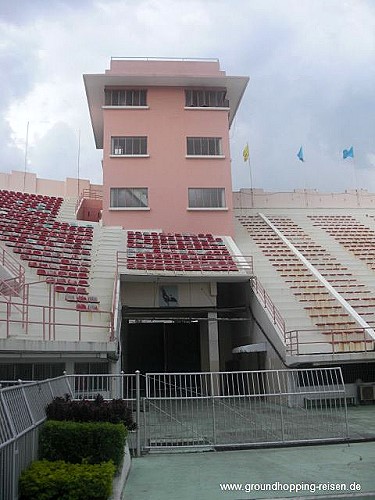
(58, 251)
(152, 251)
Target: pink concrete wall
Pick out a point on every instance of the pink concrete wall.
(18, 181)
(167, 173)
(90, 210)
(29, 183)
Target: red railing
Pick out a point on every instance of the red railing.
(49, 317)
(13, 285)
(47, 313)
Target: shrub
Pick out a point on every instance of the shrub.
(77, 442)
(99, 410)
(45, 480)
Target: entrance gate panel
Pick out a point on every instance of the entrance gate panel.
(244, 408)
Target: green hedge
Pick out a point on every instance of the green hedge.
(98, 410)
(77, 442)
(45, 480)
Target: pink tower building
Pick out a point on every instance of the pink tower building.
(163, 126)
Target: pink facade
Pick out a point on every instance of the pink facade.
(164, 170)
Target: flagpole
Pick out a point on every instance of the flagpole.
(251, 177)
(246, 157)
(355, 180)
(78, 161)
(302, 159)
(349, 153)
(26, 152)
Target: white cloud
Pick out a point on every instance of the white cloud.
(311, 65)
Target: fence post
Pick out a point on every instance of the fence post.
(72, 393)
(213, 392)
(138, 411)
(122, 381)
(281, 408)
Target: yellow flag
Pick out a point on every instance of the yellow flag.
(246, 153)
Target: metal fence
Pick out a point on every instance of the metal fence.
(22, 411)
(110, 386)
(213, 410)
(176, 410)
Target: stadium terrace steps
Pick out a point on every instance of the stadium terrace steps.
(324, 311)
(360, 271)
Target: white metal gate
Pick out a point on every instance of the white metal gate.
(224, 409)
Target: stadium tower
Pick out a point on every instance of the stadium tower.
(163, 126)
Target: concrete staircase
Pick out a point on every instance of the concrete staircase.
(67, 212)
(107, 242)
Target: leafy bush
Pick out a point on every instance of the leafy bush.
(99, 410)
(77, 442)
(45, 480)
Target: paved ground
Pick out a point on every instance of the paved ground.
(193, 476)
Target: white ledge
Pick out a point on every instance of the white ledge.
(205, 157)
(125, 107)
(129, 156)
(117, 209)
(204, 108)
(211, 209)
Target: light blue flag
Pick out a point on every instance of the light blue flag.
(300, 154)
(348, 153)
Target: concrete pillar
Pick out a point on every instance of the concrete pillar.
(213, 343)
(69, 366)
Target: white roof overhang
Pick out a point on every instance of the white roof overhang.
(95, 85)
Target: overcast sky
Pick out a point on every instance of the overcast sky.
(311, 65)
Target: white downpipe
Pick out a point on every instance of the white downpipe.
(349, 309)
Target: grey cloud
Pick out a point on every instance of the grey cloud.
(22, 11)
(310, 65)
(56, 153)
(18, 64)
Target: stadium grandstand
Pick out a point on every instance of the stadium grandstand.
(162, 268)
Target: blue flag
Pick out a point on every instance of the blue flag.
(300, 154)
(348, 153)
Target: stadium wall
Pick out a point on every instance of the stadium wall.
(302, 198)
(29, 183)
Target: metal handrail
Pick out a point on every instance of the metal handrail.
(294, 342)
(48, 321)
(14, 268)
(260, 291)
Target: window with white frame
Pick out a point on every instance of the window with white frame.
(199, 98)
(136, 197)
(206, 197)
(203, 146)
(125, 97)
(129, 146)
